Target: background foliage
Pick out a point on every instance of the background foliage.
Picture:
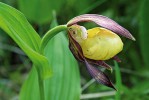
(131, 76)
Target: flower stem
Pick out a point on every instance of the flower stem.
(51, 33)
(41, 85)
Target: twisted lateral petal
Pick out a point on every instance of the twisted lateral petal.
(116, 58)
(99, 63)
(104, 22)
(99, 76)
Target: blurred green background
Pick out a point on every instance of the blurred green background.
(131, 75)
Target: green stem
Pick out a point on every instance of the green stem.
(50, 34)
(41, 85)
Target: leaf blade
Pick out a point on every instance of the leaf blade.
(18, 28)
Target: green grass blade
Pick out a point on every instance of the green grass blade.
(144, 31)
(118, 81)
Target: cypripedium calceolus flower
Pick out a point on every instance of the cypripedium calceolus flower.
(94, 46)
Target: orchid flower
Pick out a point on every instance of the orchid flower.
(94, 46)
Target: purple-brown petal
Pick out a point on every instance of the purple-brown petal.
(75, 52)
(76, 45)
(99, 76)
(117, 59)
(103, 21)
(100, 63)
(75, 49)
(106, 66)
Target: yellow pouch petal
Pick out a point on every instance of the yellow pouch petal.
(101, 44)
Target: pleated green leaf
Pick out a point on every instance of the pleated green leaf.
(39, 11)
(144, 30)
(17, 27)
(65, 82)
(30, 88)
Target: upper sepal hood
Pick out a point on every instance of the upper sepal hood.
(102, 21)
